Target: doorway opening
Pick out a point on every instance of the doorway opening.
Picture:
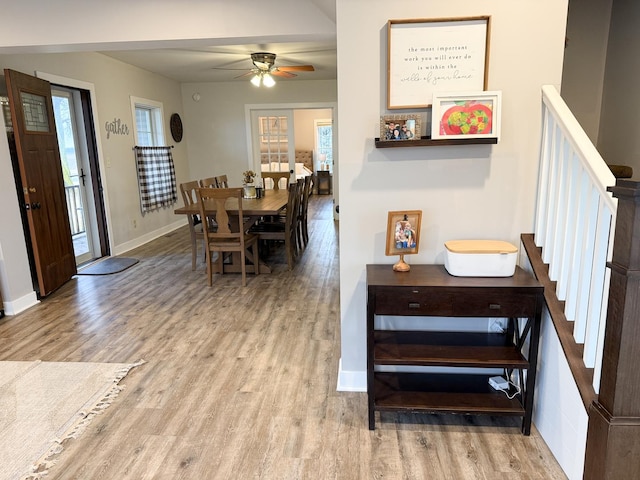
(280, 132)
(83, 191)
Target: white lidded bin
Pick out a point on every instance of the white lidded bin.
(480, 258)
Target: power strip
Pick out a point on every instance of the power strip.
(498, 383)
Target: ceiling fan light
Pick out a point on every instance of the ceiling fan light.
(256, 80)
(267, 80)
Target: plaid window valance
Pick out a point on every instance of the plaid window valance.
(156, 177)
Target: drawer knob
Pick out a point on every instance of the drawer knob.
(494, 306)
(414, 305)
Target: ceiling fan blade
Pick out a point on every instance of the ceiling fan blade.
(250, 72)
(277, 72)
(225, 68)
(297, 68)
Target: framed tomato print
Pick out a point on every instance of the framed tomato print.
(466, 115)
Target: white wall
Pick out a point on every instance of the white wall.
(215, 125)
(584, 61)
(304, 126)
(616, 143)
(15, 278)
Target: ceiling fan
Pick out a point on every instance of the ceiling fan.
(264, 69)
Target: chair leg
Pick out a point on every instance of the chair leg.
(243, 267)
(194, 251)
(221, 262)
(305, 232)
(256, 258)
(299, 236)
(209, 267)
(290, 245)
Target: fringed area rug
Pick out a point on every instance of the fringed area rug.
(44, 403)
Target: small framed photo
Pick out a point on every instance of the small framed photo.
(466, 115)
(400, 127)
(403, 232)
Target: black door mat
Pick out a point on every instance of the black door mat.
(109, 266)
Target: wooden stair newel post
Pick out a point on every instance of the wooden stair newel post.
(613, 437)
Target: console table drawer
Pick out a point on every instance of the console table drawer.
(496, 305)
(412, 301)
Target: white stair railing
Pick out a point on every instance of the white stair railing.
(575, 222)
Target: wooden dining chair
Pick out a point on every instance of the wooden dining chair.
(303, 229)
(283, 231)
(275, 178)
(209, 182)
(221, 181)
(229, 236)
(190, 197)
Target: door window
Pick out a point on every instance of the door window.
(35, 112)
(74, 173)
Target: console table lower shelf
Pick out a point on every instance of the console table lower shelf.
(442, 393)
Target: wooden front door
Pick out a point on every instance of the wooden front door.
(41, 177)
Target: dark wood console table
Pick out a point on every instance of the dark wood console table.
(428, 290)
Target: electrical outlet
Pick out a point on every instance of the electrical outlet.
(135, 223)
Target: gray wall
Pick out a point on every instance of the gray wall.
(618, 141)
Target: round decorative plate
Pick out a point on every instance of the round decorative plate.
(175, 124)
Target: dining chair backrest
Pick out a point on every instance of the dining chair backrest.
(283, 231)
(303, 229)
(291, 219)
(229, 235)
(275, 179)
(209, 182)
(189, 191)
(221, 181)
(219, 198)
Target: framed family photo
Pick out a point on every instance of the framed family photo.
(403, 232)
(400, 127)
(466, 115)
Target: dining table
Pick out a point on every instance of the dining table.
(271, 203)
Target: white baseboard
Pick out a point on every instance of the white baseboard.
(146, 238)
(351, 380)
(14, 307)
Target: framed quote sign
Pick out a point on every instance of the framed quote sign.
(435, 56)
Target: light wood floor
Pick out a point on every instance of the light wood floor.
(240, 383)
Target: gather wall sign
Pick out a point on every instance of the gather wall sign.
(116, 127)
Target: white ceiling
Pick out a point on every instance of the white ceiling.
(222, 63)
